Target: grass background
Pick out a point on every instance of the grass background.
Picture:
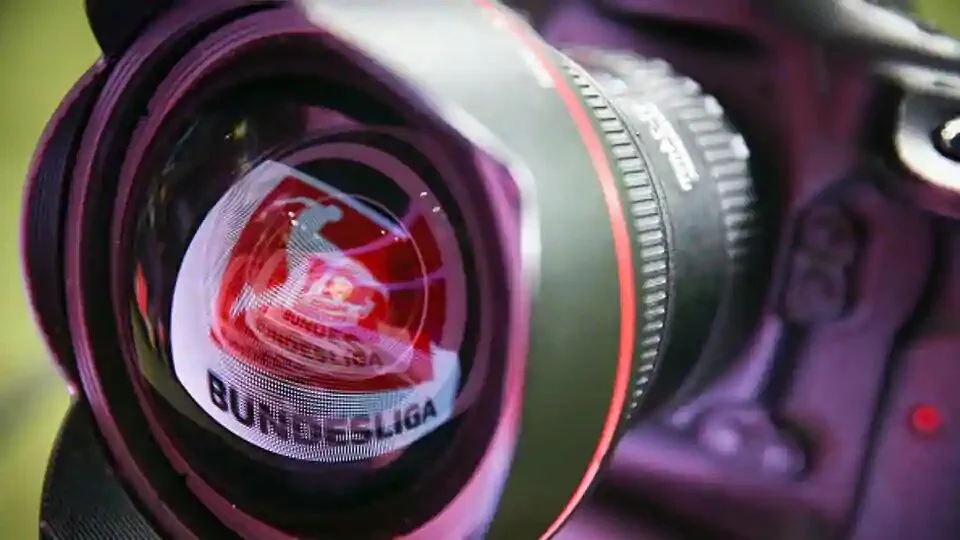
(44, 47)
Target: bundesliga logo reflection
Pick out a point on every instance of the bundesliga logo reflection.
(326, 321)
(303, 308)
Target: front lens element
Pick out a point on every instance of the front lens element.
(321, 319)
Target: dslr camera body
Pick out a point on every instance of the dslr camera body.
(456, 269)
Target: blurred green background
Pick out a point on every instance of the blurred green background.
(44, 47)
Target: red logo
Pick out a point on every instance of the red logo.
(320, 289)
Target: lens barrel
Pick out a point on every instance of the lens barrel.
(364, 285)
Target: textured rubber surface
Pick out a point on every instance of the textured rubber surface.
(82, 499)
(646, 215)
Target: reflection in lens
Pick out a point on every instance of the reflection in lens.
(304, 312)
(334, 326)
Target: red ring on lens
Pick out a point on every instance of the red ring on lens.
(622, 249)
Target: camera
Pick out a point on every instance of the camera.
(460, 269)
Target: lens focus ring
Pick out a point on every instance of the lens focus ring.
(722, 148)
(695, 212)
(646, 216)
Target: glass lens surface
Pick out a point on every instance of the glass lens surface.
(335, 318)
(313, 305)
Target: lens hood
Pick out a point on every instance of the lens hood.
(520, 169)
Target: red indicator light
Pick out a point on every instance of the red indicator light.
(925, 419)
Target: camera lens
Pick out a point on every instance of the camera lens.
(353, 274)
